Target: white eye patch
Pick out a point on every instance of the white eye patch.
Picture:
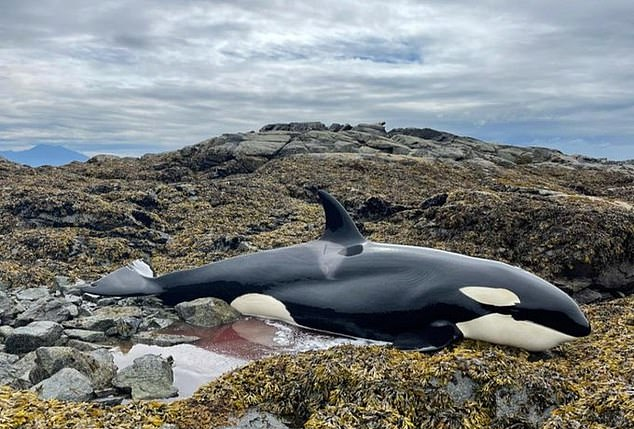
(499, 297)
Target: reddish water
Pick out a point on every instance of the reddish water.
(225, 348)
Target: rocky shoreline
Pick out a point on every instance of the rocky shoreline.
(587, 382)
(43, 333)
(569, 219)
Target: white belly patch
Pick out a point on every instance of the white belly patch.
(503, 329)
(260, 305)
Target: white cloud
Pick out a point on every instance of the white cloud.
(157, 75)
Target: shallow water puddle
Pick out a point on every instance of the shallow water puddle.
(228, 347)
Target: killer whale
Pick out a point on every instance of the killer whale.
(342, 283)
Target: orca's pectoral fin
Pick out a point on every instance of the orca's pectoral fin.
(433, 337)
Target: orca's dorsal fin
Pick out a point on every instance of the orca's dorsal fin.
(340, 227)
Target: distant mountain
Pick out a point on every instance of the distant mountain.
(44, 154)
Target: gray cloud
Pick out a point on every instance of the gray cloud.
(133, 77)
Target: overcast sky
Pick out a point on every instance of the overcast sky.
(131, 77)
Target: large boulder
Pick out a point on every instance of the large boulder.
(55, 310)
(36, 334)
(98, 365)
(207, 312)
(149, 377)
(67, 384)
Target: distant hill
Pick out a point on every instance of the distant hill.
(44, 154)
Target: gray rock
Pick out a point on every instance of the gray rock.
(67, 384)
(207, 312)
(163, 340)
(377, 129)
(125, 327)
(586, 296)
(86, 335)
(106, 369)
(616, 276)
(33, 294)
(255, 419)
(388, 146)
(149, 377)
(320, 142)
(105, 318)
(73, 299)
(7, 371)
(98, 366)
(62, 283)
(55, 310)
(83, 346)
(265, 145)
(517, 404)
(156, 323)
(294, 127)
(110, 401)
(461, 389)
(22, 369)
(36, 334)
